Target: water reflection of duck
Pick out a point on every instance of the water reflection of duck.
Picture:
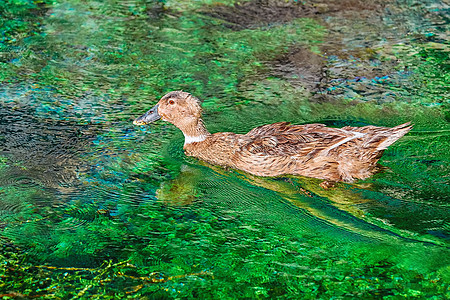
(313, 150)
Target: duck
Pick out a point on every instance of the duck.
(332, 154)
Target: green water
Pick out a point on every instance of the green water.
(94, 207)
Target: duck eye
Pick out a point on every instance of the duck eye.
(171, 102)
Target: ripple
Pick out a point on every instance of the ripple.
(44, 151)
(10, 208)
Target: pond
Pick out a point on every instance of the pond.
(92, 206)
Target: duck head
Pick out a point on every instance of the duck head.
(182, 110)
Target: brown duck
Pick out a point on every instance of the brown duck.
(313, 150)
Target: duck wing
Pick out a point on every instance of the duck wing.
(284, 139)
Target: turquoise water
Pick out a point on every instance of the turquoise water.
(94, 207)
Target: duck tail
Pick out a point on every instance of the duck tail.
(387, 137)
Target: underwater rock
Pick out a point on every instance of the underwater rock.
(259, 13)
(301, 65)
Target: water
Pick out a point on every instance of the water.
(92, 206)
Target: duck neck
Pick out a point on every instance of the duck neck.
(195, 132)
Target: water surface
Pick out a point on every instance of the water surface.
(92, 206)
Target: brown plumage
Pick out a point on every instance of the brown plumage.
(313, 150)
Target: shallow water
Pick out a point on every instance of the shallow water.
(92, 206)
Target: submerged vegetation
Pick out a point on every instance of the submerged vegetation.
(20, 19)
(91, 207)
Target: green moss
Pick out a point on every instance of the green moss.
(429, 68)
(18, 19)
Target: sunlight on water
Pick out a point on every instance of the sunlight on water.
(91, 205)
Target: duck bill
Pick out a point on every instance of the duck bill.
(149, 117)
